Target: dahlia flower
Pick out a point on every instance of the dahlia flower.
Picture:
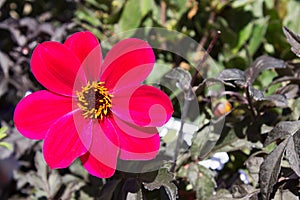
(93, 110)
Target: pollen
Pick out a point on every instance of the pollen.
(94, 100)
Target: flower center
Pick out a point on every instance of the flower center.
(94, 100)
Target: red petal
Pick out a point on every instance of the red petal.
(128, 63)
(143, 105)
(101, 160)
(55, 66)
(37, 112)
(69, 138)
(136, 143)
(95, 167)
(133, 130)
(87, 48)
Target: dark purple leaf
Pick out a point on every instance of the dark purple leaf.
(30, 23)
(3, 86)
(289, 91)
(286, 79)
(7, 167)
(5, 63)
(256, 94)
(1, 3)
(274, 100)
(183, 79)
(214, 81)
(296, 138)
(231, 75)
(46, 28)
(287, 194)
(131, 185)
(260, 64)
(292, 155)
(109, 188)
(17, 36)
(269, 170)
(164, 179)
(293, 39)
(60, 32)
(283, 129)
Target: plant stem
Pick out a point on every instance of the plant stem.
(211, 45)
(186, 105)
(250, 102)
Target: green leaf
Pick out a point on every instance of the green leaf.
(228, 36)
(46, 184)
(55, 182)
(41, 166)
(243, 36)
(204, 141)
(266, 77)
(222, 194)
(296, 109)
(293, 14)
(258, 34)
(3, 132)
(233, 143)
(133, 13)
(164, 179)
(34, 180)
(241, 3)
(77, 169)
(258, 8)
(3, 135)
(269, 170)
(199, 141)
(237, 60)
(145, 6)
(159, 70)
(244, 192)
(253, 166)
(88, 15)
(202, 180)
(73, 184)
(6, 145)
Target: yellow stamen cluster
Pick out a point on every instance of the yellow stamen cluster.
(94, 100)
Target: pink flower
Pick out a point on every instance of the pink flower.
(92, 110)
